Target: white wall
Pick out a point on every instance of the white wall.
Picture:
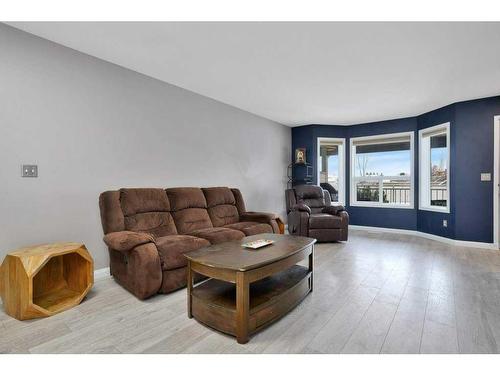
(92, 126)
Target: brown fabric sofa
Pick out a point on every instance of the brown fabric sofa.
(311, 214)
(147, 231)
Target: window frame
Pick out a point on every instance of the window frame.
(342, 160)
(353, 179)
(443, 128)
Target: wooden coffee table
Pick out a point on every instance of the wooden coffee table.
(249, 289)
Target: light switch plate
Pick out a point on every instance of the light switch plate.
(485, 176)
(30, 170)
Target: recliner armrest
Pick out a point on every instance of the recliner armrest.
(333, 210)
(127, 240)
(301, 207)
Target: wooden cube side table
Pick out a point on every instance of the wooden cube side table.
(43, 280)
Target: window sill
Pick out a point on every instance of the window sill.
(444, 210)
(381, 205)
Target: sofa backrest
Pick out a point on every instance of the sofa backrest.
(112, 218)
(189, 209)
(164, 212)
(311, 195)
(147, 210)
(221, 204)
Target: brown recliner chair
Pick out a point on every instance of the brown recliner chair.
(147, 231)
(311, 214)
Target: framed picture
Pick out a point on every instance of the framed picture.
(300, 155)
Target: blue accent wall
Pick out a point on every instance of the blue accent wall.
(474, 148)
(471, 153)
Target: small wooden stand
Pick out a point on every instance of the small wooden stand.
(40, 281)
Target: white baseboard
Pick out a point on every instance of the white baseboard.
(101, 273)
(481, 245)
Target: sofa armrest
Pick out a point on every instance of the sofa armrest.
(126, 240)
(262, 217)
(301, 207)
(333, 210)
(138, 270)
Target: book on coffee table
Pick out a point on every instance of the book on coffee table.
(257, 244)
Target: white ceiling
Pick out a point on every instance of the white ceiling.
(303, 73)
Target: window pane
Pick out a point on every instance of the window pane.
(396, 191)
(439, 170)
(383, 163)
(367, 191)
(329, 169)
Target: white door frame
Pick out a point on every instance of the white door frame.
(342, 161)
(496, 179)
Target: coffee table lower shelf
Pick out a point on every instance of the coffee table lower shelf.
(214, 301)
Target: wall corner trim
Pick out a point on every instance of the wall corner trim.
(449, 241)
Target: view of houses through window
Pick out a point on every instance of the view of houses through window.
(381, 170)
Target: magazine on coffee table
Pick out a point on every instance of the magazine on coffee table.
(257, 244)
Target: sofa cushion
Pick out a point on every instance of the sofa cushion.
(172, 248)
(191, 219)
(156, 223)
(189, 209)
(221, 206)
(250, 227)
(317, 210)
(223, 214)
(147, 211)
(141, 200)
(324, 221)
(218, 195)
(258, 229)
(186, 197)
(218, 235)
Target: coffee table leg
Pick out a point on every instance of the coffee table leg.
(242, 307)
(189, 289)
(311, 262)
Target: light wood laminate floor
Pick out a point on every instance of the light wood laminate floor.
(377, 293)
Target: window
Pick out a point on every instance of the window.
(381, 171)
(434, 158)
(331, 166)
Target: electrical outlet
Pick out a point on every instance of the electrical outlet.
(29, 170)
(485, 176)
(445, 223)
